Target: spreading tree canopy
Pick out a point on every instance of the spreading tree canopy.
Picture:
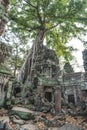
(59, 20)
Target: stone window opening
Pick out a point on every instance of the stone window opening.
(84, 95)
(48, 96)
(35, 81)
(71, 98)
(30, 62)
(85, 92)
(17, 90)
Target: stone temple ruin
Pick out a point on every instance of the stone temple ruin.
(43, 88)
(73, 88)
(43, 81)
(42, 92)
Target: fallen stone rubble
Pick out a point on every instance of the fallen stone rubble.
(20, 118)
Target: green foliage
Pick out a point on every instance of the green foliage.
(57, 41)
(60, 20)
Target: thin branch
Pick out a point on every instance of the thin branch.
(25, 11)
(29, 29)
(24, 26)
(52, 27)
(40, 19)
(34, 28)
(38, 14)
(29, 3)
(37, 9)
(82, 18)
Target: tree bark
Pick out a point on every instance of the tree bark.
(26, 70)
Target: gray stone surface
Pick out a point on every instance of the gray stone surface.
(23, 113)
(69, 127)
(29, 126)
(54, 128)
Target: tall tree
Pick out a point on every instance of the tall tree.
(50, 19)
(19, 47)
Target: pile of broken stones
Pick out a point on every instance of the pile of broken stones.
(22, 118)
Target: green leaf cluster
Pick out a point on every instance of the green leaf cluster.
(61, 20)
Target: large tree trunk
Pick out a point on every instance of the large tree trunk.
(26, 70)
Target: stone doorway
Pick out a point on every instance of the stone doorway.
(17, 91)
(48, 96)
(71, 98)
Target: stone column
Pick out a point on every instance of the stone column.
(75, 96)
(40, 89)
(82, 96)
(57, 98)
(40, 97)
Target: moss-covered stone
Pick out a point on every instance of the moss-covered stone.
(1, 103)
(23, 113)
